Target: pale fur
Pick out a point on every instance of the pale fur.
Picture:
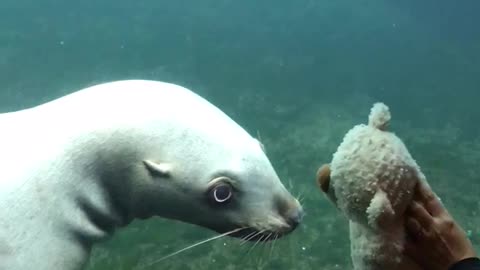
(371, 182)
(73, 170)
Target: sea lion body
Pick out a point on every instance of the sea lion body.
(76, 168)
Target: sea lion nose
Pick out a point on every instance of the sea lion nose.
(294, 217)
(291, 211)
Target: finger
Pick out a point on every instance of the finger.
(430, 200)
(413, 228)
(419, 213)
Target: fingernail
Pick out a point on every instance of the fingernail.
(415, 205)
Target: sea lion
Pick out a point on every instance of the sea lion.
(76, 168)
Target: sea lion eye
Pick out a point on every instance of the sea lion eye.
(221, 193)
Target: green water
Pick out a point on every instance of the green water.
(298, 73)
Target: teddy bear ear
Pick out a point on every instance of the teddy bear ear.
(379, 116)
(323, 177)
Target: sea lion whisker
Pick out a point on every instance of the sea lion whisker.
(262, 262)
(265, 247)
(253, 236)
(192, 246)
(256, 243)
(273, 245)
(300, 199)
(267, 237)
(250, 237)
(246, 237)
(301, 195)
(290, 183)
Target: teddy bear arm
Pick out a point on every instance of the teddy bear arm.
(380, 210)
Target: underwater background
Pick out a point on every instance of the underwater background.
(297, 74)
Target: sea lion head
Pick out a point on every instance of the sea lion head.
(187, 160)
(231, 187)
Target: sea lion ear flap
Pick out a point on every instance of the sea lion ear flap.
(158, 169)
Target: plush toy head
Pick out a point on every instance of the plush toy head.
(372, 174)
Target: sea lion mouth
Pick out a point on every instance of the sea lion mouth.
(248, 234)
(252, 235)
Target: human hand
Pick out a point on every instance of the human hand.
(434, 240)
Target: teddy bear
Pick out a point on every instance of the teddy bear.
(371, 180)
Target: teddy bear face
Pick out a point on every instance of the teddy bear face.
(371, 176)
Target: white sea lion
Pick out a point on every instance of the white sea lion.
(74, 169)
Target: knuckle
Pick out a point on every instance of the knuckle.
(429, 196)
(449, 223)
(415, 206)
(429, 234)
